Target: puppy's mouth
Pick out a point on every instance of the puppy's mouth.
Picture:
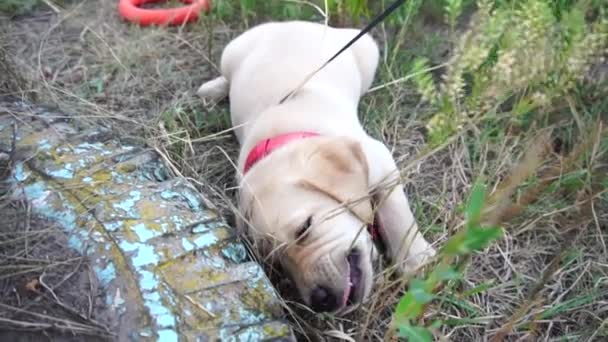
(354, 288)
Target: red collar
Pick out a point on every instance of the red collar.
(267, 146)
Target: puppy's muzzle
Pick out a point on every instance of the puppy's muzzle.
(325, 299)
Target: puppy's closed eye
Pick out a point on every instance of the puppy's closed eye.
(302, 231)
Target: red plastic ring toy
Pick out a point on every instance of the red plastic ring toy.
(129, 10)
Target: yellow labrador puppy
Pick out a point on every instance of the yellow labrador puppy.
(307, 167)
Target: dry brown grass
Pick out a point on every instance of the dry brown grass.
(546, 280)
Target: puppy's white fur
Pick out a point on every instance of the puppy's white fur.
(313, 176)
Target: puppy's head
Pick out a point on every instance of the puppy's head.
(307, 206)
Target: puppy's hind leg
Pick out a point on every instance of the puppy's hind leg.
(214, 90)
(367, 56)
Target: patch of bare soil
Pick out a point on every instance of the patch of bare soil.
(48, 291)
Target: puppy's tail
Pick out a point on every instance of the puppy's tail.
(214, 90)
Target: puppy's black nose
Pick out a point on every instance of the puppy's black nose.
(322, 300)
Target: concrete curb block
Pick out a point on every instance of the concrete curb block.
(171, 268)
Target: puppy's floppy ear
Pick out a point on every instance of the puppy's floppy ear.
(338, 168)
(262, 243)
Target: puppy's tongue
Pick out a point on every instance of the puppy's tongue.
(347, 288)
(353, 279)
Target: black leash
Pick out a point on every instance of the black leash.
(377, 20)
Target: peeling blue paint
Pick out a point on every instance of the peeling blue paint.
(67, 172)
(19, 174)
(112, 226)
(62, 150)
(190, 198)
(250, 316)
(76, 243)
(145, 255)
(35, 190)
(205, 240)
(177, 221)
(107, 274)
(117, 177)
(210, 224)
(109, 300)
(218, 263)
(128, 246)
(128, 204)
(165, 319)
(160, 313)
(146, 333)
(44, 145)
(86, 147)
(148, 280)
(167, 335)
(143, 233)
(79, 240)
(249, 335)
(120, 301)
(235, 253)
(152, 296)
(160, 174)
(98, 237)
(187, 245)
(168, 195)
(200, 228)
(61, 173)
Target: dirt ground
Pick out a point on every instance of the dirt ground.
(549, 275)
(48, 291)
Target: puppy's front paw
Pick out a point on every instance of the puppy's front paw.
(419, 253)
(214, 90)
(416, 260)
